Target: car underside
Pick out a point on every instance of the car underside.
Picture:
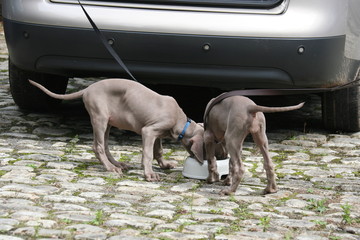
(224, 44)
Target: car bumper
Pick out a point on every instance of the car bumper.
(292, 19)
(202, 60)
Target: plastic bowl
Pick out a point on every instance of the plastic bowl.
(193, 169)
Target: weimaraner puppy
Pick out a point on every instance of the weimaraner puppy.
(129, 105)
(228, 123)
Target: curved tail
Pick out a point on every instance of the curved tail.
(58, 96)
(257, 108)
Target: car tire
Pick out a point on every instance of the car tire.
(341, 109)
(28, 97)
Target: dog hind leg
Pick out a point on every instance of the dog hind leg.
(100, 126)
(158, 155)
(259, 136)
(237, 168)
(121, 165)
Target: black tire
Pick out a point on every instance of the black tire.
(341, 109)
(28, 97)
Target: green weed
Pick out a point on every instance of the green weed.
(242, 213)
(265, 223)
(2, 172)
(346, 218)
(320, 224)
(317, 205)
(32, 166)
(99, 218)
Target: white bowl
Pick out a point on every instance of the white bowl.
(193, 169)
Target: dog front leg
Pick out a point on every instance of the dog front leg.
(237, 168)
(210, 156)
(158, 155)
(237, 171)
(228, 179)
(148, 141)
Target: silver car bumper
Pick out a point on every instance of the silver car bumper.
(298, 44)
(292, 19)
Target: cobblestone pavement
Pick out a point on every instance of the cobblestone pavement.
(52, 186)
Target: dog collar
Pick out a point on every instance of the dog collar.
(182, 134)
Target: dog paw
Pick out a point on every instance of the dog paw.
(116, 170)
(167, 165)
(213, 178)
(124, 167)
(152, 177)
(121, 165)
(228, 181)
(226, 191)
(270, 190)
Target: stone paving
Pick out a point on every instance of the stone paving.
(52, 186)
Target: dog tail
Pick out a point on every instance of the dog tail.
(257, 108)
(58, 96)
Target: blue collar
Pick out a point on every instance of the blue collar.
(182, 134)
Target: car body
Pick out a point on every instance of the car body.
(231, 44)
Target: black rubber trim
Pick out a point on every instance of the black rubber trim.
(226, 62)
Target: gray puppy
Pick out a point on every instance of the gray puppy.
(228, 123)
(129, 105)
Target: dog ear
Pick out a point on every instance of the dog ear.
(197, 148)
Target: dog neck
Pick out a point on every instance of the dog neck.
(183, 129)
(182, 134)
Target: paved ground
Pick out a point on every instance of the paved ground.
(52, 186)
